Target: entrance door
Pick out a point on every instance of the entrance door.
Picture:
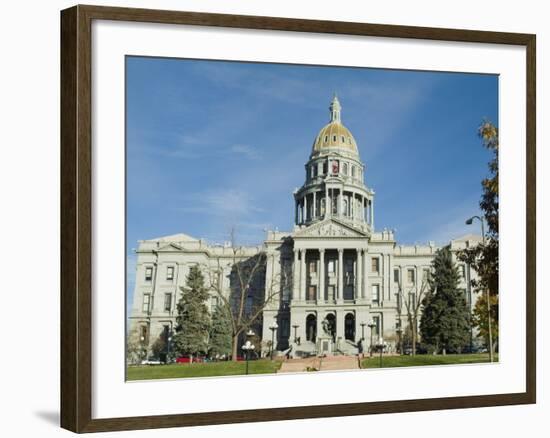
(349, 327)
(311, 328)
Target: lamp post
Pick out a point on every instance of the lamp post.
(142, 349)
(363, 324)
(273, 327)
(295, 327)
(371, 326)
(399, 332)
(488, 298)
(247, 348)
(381, 345)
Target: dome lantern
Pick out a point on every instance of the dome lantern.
(335, 137)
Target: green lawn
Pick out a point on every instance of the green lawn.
(176, 371)
(424, 359)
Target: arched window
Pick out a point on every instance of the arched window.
(353, 171)
(343, 139)
(345, 207)
(345, 168)
(334, 138)
(326, 138)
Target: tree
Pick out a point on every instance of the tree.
(413, 304)
(249, 292)
(219, 343)
(480, 320)
(135, 350)
(483, 258)
(193, 319)
(445, 322)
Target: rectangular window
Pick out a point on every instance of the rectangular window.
(376, 328)
(213, 303)
(170, 273)
(375, 265)
(143, 335)
(331, 266)
(426, 274)
(148, 273)
(396, 275)
(410, 275)
(376, 294)
(412, 301)
(330, 293)
(312, 293)
(313, 267)
(248, 304)
(146, 303)
(167, 302)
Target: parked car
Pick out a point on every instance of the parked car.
(190, 359)
(151, 362)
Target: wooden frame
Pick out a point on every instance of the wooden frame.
(76, 217)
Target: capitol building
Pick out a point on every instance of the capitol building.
(331, 284)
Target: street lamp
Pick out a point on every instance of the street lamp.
(371, 325)
(363, 324)
(248, 347)
(273, 327)
(295, 327)
(399, 332)
(381, 346)
(168, 349)
(470, 221)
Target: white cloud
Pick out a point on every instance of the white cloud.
(221, 202)
(246, 151)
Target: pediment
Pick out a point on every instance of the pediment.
(330, 228)
(170, 247)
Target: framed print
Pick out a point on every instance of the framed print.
(268, 219)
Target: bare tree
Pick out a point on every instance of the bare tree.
(413, 304)
(249, 293)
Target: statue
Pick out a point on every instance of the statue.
(328, 328)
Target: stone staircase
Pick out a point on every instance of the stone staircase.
(328, 363)
(300, 365)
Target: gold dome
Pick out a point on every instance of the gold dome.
(334, 135)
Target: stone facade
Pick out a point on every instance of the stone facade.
(334, 280)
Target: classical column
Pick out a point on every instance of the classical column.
(302, 274)
(340, 295)
(305, 207)
(359, 280)
(328, 207)
(296, 212)
(366, 291)
(321, 291)
(372, 214)
(295, 277)
(340, 202)
(314, 212)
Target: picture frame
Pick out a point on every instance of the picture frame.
(77, 236)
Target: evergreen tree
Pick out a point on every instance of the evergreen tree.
(193, 319)
(220, 340)
(445, 319)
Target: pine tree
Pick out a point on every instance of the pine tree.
(220, 340)
(445, 317)
(193, 319)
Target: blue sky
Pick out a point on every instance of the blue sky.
(213, 145)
